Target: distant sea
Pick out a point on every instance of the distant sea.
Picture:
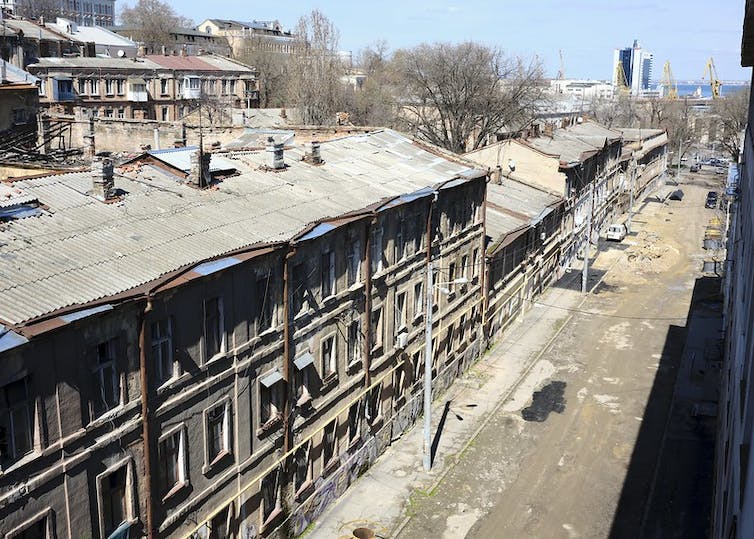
(688, 89)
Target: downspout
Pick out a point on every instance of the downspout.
(367, 357)
(145, 414)
(287, 349)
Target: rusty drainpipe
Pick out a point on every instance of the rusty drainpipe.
(367, 361)
(145, 414)
(287, 349)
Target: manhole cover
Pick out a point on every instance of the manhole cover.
(363, 533)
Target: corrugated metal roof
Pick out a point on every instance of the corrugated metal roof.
(514, 204)
(84, 250)
(180, 158)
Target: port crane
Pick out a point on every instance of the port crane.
(714, 82)
(668, 82)
(621, 82)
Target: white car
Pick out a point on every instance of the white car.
(616, 232)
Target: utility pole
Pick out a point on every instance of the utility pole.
(587, 246)
(631, 196)
(428, 373)
(678, 174)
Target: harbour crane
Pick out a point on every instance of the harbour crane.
(714, 82)
(668, 82)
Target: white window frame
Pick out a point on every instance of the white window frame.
(329, 361)
(267, 305)
(355, 353)
(29, 406)
(354, 431)
(109, 87)
(275, 405)
(181, 466)
(419, 299)
(225, 442)
(400, 320)
(377, 330)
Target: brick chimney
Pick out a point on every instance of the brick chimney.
(103, 185)
(199, 175)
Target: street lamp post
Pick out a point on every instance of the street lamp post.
(585, 271)
(428, 362)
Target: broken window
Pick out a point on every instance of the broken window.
(327, 268)
(376, 327)
(353, 261)
(270, 494)
(399, 322)
(171, 453)
(115, 499)
(354, 421)
(106, 389)
(329, 357)
(264, 303)
(373, 409)
(214, 338)
(354, 343)
(16, 433)
(217, 424)
(303, 466)
(418, 298)
(329, 443)
(376, 250)
(162, 350)
(299, 289)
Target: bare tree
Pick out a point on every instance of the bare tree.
(36, 9)
(458, 95)
(273, 71)
(316, 72)
(151, 22)
(619, 111)
(678, 123)
(731, 112)
(371, 98)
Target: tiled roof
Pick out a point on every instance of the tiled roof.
(82, 250)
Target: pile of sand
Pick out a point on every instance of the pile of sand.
(649, 254)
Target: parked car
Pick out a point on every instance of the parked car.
(694, 168)
(711, 202)
(720, 170)
(616, 232)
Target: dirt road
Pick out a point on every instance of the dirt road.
(560, 458)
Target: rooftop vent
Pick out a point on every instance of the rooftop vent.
(276, 159)
(313, 154)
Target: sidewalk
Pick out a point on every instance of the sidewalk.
(381, 499)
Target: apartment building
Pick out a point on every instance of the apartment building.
(164, 88)
(245, 36)
(226, 360)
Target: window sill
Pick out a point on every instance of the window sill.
(105, 417)
(178, 487)
(270, 425)
(172, 382)
(216, 461)
(21, 462)
(354, 366)
(271, 519)
(304, 400)
(217, 357)
(304, 490)
(331, 466)
(329, 381)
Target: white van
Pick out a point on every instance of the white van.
(616, 232)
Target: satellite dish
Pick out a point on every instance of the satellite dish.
(121, 53)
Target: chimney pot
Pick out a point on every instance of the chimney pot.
(199, 175)
(314, 155)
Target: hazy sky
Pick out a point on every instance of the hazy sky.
(686, 32)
